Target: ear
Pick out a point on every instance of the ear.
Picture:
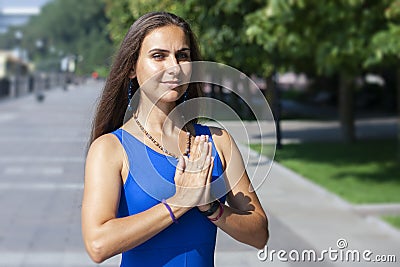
(132, 74)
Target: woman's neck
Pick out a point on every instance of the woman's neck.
(158, 117)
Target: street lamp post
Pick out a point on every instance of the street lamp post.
(39, 84)
(276, 106)
(18, 38)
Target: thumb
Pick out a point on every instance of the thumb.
(180, 167)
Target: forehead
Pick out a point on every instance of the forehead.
(166, 37)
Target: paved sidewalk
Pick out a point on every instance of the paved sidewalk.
(304, 216)
(42, 149)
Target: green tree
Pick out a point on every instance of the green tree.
(386, 47)
(326, 38)
(217, 24)
(73, 27)
(333, 38)
(120, 19)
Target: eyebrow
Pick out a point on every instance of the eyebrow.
(167, 51)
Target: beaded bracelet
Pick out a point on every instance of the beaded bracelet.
(171, 214)
(221, 211)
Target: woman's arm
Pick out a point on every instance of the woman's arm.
(104, 234)
(244, 219)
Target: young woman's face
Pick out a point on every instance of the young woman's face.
(161, 66)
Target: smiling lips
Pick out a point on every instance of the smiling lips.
(172, 83)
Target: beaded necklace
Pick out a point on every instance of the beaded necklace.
(163, 149)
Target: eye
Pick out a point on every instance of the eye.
(183, 56)
(158, 56)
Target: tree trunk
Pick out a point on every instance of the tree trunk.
(346, 112)
(398, 113)
(275, 104)
(269, 94)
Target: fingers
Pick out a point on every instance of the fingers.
(205, 159)
(204, 156)
(207, 196)
(198, 147)
(180, 167)
(194, 173)
(194, 148)
(209, 179)
(201, 149)
(210, 169)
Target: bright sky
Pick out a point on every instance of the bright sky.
(11, 9)
(22, 3)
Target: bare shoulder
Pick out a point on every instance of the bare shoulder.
(221, 136)
(105, 143)
(223, 142)
(105, 148)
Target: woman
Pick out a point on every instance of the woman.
(125, 160)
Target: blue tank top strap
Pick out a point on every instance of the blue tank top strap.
(202, 129)
(118, 133)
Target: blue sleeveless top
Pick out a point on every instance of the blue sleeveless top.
(190, 242)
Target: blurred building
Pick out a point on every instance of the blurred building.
(18, 12)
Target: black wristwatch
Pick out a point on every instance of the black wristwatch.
(213, 208)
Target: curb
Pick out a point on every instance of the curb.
(368, 211)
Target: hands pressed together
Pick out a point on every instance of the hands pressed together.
(193, 176)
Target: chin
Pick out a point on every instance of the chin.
(173, 94)
(170, 97)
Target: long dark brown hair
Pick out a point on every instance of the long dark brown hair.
(113, 102)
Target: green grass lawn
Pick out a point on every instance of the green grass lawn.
(364, 172)
(393, 220)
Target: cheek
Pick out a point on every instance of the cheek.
(186, 72)
(146, 72)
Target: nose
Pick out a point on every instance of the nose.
(173, 66)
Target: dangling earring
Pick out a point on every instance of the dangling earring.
(130, 95)
(185, 95)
